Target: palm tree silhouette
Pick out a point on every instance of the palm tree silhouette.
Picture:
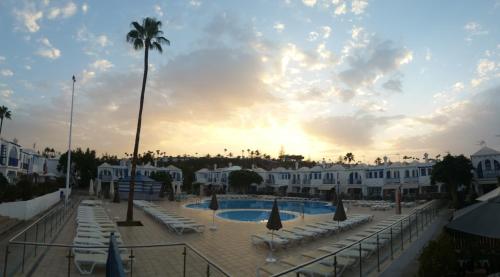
(349, 157)
(147, 36)
(4, 113)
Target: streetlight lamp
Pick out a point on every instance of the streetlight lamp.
(68, 166)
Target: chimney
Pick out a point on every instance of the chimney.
(385, 160)
(296, 165)
(253, 166)
(215, 166)
(230, 164)
(426, 157)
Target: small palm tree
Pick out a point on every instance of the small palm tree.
(4, 113)
(349, 157)
(147, 36)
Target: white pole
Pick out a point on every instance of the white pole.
(69, 144)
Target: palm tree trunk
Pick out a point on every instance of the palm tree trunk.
(1, 124)
(130, 207)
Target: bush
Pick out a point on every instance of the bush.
(438, 258)
(26, 190)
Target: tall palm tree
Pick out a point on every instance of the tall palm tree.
(4, 113)
(147, 36)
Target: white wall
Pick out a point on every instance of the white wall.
(25, 210)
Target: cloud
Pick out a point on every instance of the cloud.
(393, 85)
(358, 6)
(465, 124)
(47, 50)
(6, 72)
(485, 66)
(368, 64)
(29, 17)
(63, 12)
(348, 131)
(428, 54)
(340, 9)
(326, 31)
(2, 59)
(279, 27)
(458, 86)
(102, 65)
(313, 36)
(94, 43)
(158, 10)
(474, 29)
(195, 3)
(85, 8)
(6, 93)
(309, 3)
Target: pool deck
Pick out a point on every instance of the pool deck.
(229, 246)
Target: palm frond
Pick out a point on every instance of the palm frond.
(138, 27)
(162, 40)
(157, 46)
(138, 44)
(133, 35)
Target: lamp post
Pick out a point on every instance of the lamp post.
(68, 166)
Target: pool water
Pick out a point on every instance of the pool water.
(308, 207)
(253, 215)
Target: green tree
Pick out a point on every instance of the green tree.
(349, 157)
(4, 113)
(378, 161)
(166, 184)
(453, 171)
(147, 36)
(242, 179)
(85, 165)
(438, 257)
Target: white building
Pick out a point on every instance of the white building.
(357, 180)
(107, 173)
(16, 161)
(486, 163)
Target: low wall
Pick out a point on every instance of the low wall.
(25, 210)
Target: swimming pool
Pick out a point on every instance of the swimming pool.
(309, 207)
(253, 215)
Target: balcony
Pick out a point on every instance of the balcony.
(412, 180)
(328, 181)
(13, 162)
(490, 174)
(392, 180)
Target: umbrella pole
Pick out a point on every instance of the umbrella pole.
(270, 258)
(213, 227)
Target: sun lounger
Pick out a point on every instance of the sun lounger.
(300, 232)
(85, 262)
(269, 239)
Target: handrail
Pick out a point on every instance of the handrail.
(350, 245)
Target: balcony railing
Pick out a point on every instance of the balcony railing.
(374, 252)
(491, 174)
(392, 180)
(26, 252)
(410, 180)
(328, 181)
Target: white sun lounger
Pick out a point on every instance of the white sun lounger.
(267, 239)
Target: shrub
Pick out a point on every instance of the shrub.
(438, 257)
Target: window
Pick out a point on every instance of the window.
(423, 172)
(407, 173)
(388, 174)
(429, 170)
(487, 165)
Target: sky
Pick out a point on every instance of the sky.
(317, 77)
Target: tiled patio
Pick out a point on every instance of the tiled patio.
(229, 247)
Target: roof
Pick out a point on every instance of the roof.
(485, 151)
(489, 195)
(105, 165)
(316, 168)
(304, 168)
(259, 169)
(171, 167)
(479, 219)
(202, 170)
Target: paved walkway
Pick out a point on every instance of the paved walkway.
(229, 246)
(407, 263)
